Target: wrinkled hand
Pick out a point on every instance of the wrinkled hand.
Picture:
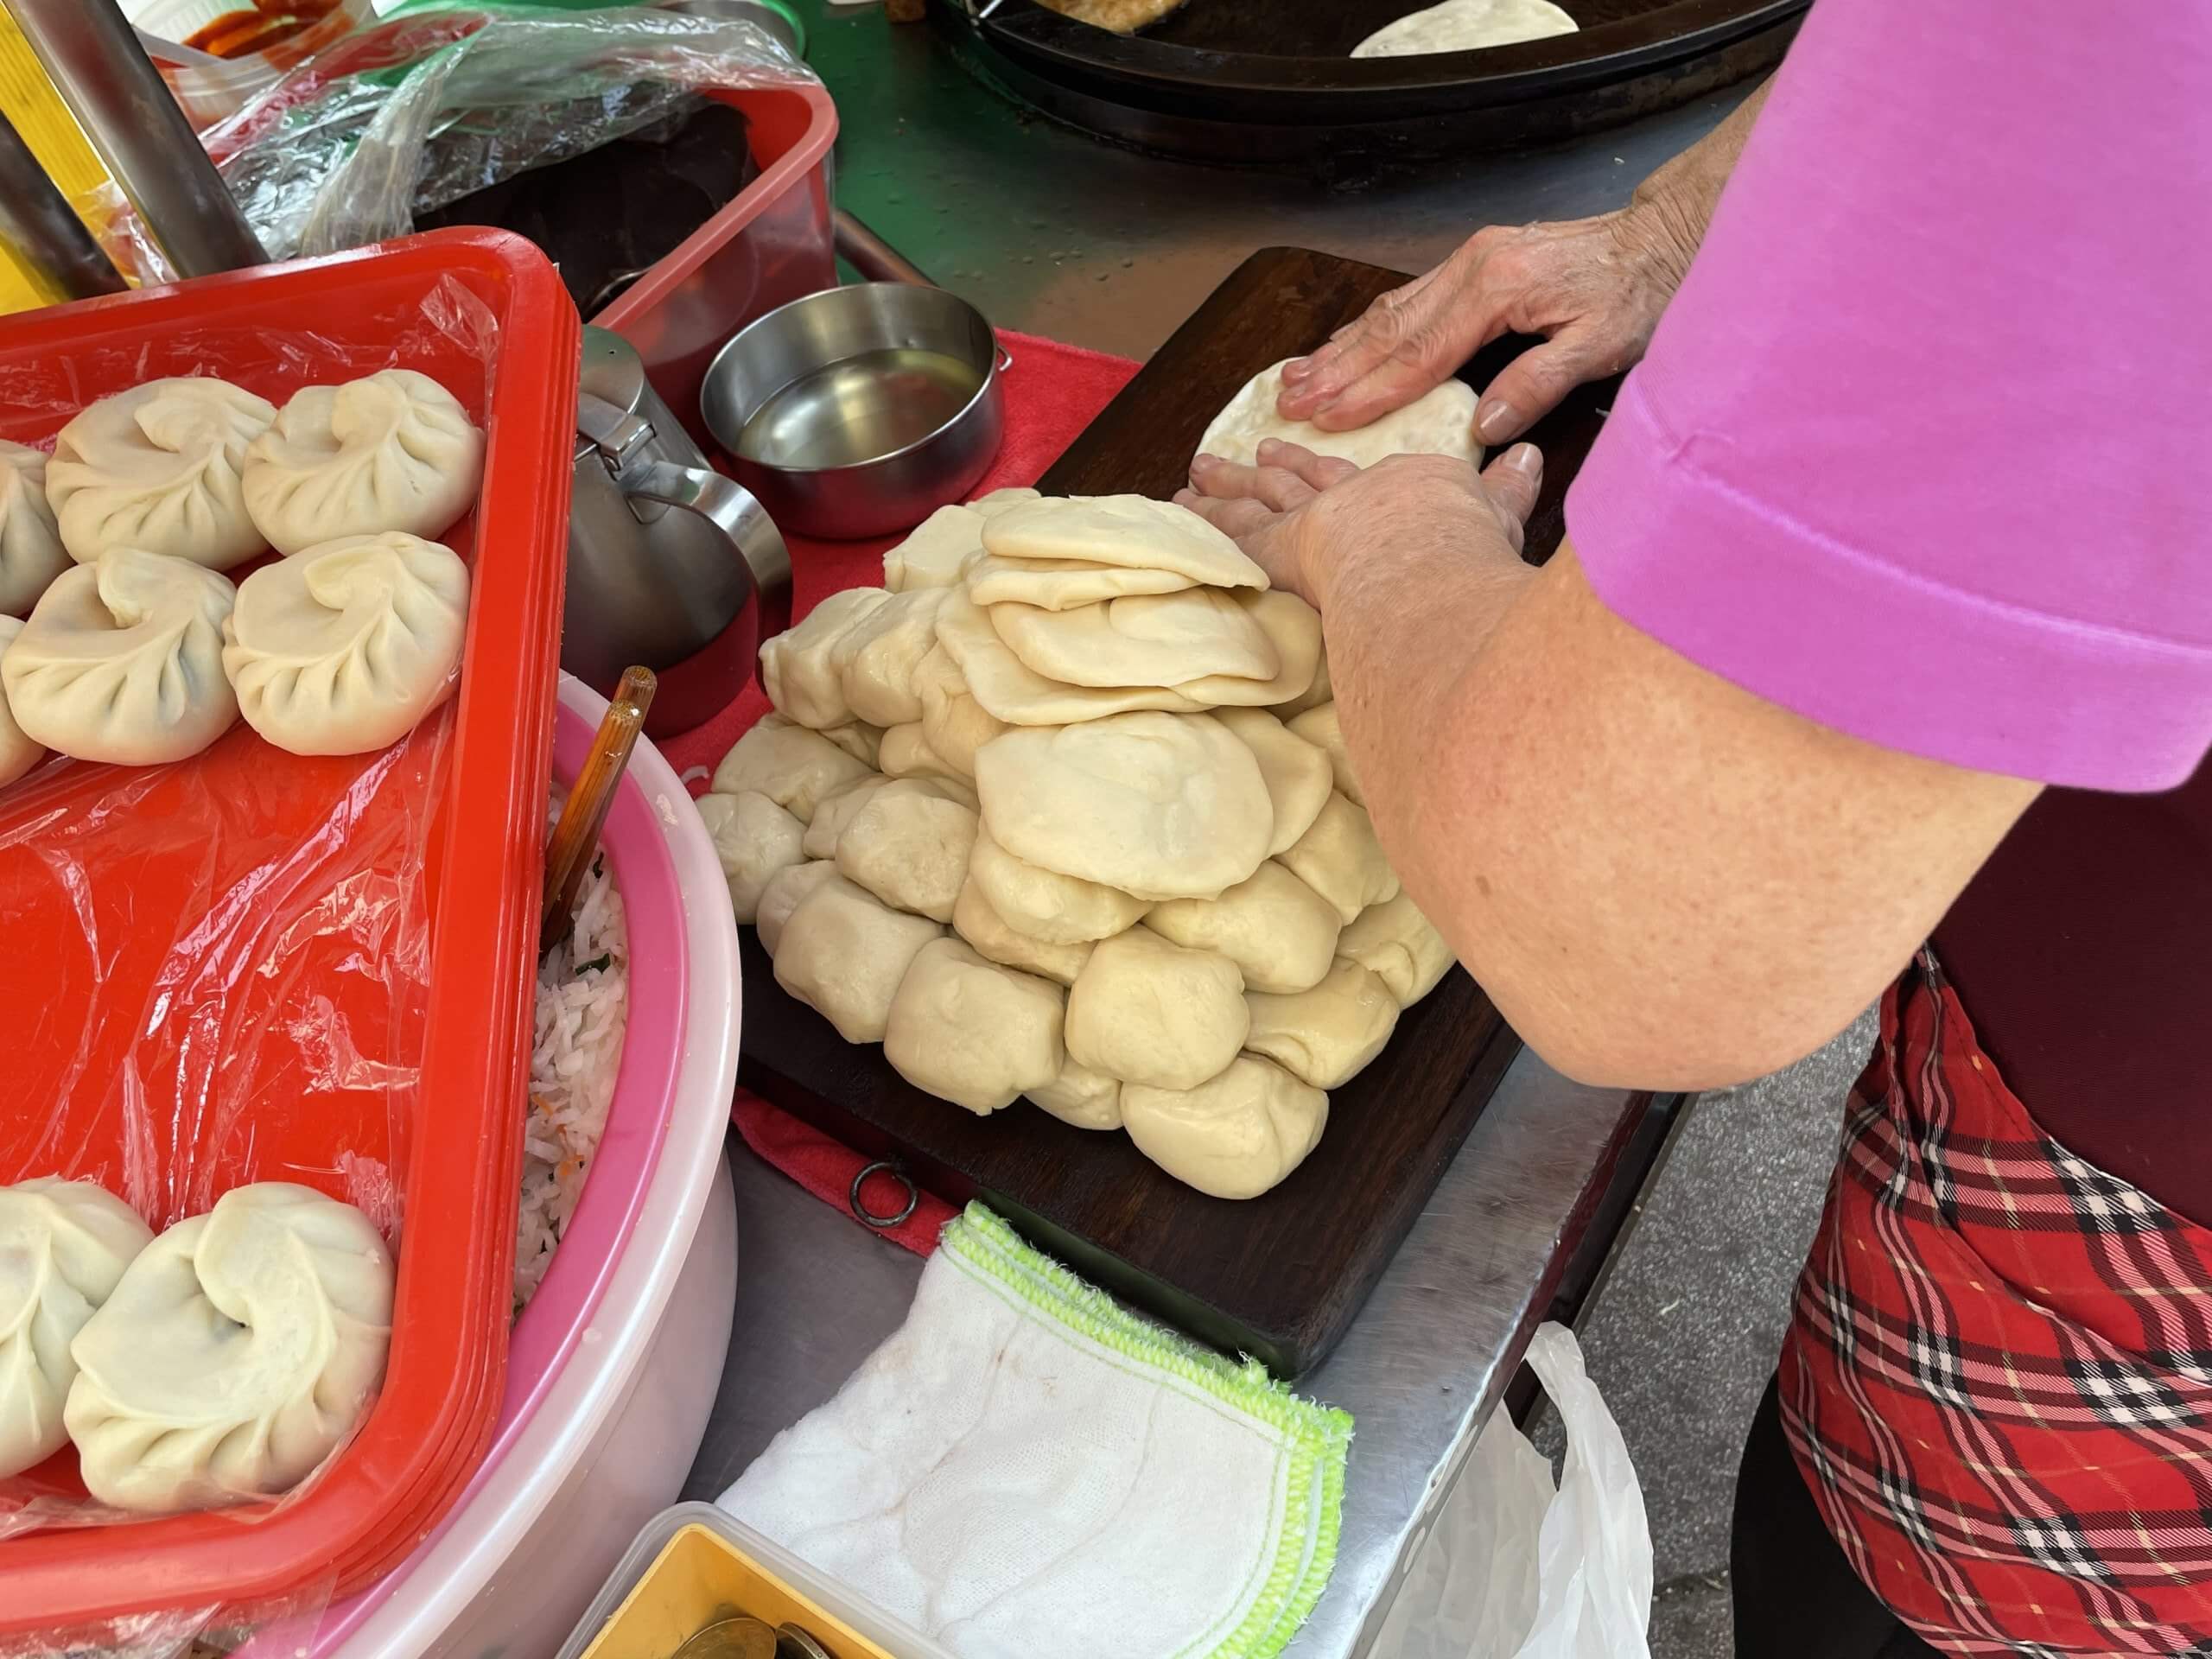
(1298, 514)
(1594, 287)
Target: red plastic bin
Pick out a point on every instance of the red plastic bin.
(470, 785)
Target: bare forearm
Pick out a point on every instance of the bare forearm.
(1679, 196)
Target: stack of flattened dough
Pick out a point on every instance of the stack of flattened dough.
(1062, 811)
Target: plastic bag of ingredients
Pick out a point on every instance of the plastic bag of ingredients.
(1512, 1569)
(431, 106)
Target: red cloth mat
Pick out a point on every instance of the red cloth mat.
(1052, 392)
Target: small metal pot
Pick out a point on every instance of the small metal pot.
(859, 411)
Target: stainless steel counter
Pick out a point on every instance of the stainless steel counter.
(1053, 233)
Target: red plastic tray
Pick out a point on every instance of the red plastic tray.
(469, 787)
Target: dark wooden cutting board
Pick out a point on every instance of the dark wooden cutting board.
(1278, 1276)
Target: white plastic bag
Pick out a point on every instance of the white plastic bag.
(1513, 1570)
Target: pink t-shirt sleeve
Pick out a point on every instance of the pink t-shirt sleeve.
(1922, 449)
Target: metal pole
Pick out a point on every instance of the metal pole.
(37, 221)
(96, 63)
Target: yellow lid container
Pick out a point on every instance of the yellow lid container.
(699, 1577)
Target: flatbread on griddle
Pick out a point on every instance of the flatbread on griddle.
(1121, 16)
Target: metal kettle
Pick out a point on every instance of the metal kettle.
(670, 564)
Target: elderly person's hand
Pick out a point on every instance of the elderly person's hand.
(1298, 514)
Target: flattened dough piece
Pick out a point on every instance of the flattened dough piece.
(1400, 946)
(971, 1032)
(1295, 629)
(858, 739)
(1280, 933)
(1082, 1097)
(908, 845)
(1441, 422)
(974, 920)
(1010, 690)
(792, 765)
(1140, 639)
(1296, 774)
(1045, 905)
(1235, 1135)
(1466, 26)
(1063, 584)
(755, 839)
(1319, 726)
(781, 897)
(1314, 695)
(844, 951)
(907, 753)
(1129, 529)
(999, 500)
(954, 724)
(798, 667)
(934, 555)
(876, 658)
(1163, 806)
(833, 812)
(1340, 859)
(1324, 1036)
(1122, 16)
(1147, 1011)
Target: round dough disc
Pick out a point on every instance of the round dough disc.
(1058, 584)
(1441, 422)
(1140, 639)
(1129, 529)
(1045, 905)
(1280, 933)
(1466, 26)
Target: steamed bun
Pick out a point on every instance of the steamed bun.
(63, 1245)
(344, 647)
(122, 661)
(236, 1352)
(160, 467)
(394, 450)
(31, 554)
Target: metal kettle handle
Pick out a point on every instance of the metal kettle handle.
(731, 508)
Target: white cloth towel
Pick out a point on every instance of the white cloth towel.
(1023, 1469)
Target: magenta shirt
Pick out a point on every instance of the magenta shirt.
(1922, 449)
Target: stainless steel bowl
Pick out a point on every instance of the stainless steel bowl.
(858, 411)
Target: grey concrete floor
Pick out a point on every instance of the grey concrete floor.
(1684, 1336)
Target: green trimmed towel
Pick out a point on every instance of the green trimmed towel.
(1024, 1469)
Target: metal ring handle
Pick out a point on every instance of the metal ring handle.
(1006, 358)
(727, 504)
(866, 1217)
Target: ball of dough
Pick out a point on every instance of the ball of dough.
(1233, 1136)
(345, 647)
(1163, 806)
(907, 753)
(833, 812)
(1280, 933)
(1293, 628)
(1063, 584)
(1296, 774)
(18, 752)
(798, 667)
(158, 468)
(1126, 529)
(877, 657)
(122, 661)
(1010, 690)
(392, 451)
(908, 845)
(1082, 1098)
(974, 920)
(935, 553)
(63, 1246)
(1466, 26)
(755, 840)
(1148, 1011)
(782, 895)
(857, 738)
(1046, 905)
(31, 554)
(844, 951)
(999, 500)
(954, 724)
(971, 1032)
(1340, 859)
(1142, 639)
(1319, 726)
(1326, 1035)
(1314, 695)
(792, 765)
(1400, 946)
(237, 1352)
(1441, 422)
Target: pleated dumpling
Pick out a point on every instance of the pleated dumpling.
(19, 752)
(159, 468)
(239, 1349)
(63, 1246)
(394, 450)
(342, 648)
(30, 545)
(122, 661)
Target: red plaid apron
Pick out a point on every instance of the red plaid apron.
(1999, 1381)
